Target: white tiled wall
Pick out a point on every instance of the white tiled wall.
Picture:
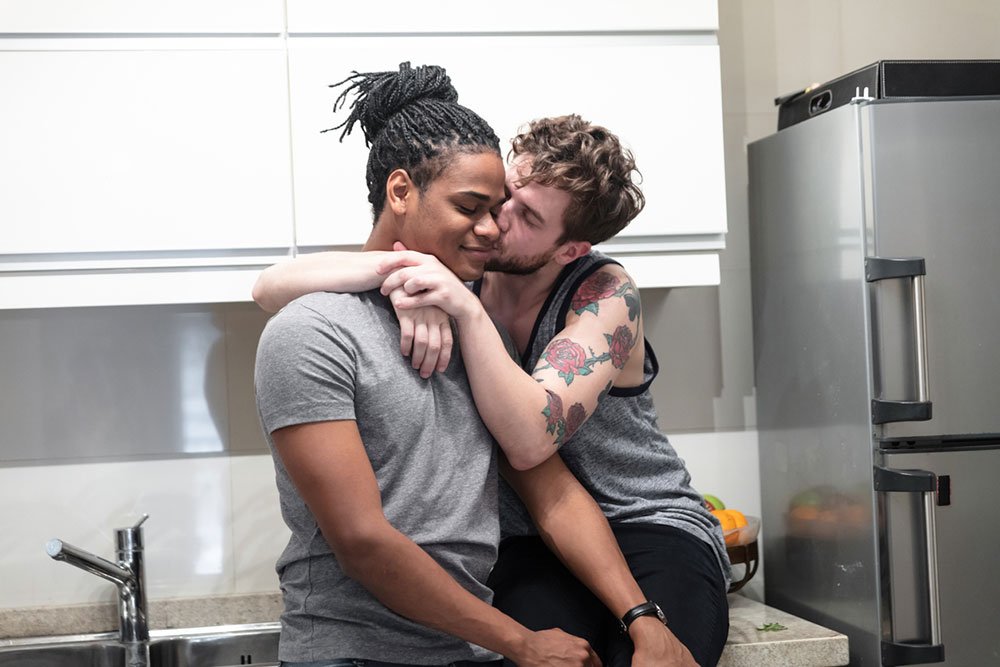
(214, 527)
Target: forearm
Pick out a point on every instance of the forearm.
(509, 400)
(285, 281)
(404, 578)
(576, 530)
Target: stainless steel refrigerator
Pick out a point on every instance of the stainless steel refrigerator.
(875, 258)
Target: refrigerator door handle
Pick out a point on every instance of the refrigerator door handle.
(886, 268)
(889, 480)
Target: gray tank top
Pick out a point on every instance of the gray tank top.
(619, 454)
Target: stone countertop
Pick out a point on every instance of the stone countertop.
(801, 644)
(167, 614)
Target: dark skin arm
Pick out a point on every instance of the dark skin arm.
(328, 464)
(573, 526)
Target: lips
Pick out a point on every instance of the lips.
(481, 252)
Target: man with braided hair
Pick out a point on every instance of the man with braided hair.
(388, 481)
(582, 389)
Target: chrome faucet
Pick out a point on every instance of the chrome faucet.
(128, 574)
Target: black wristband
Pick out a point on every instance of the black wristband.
(648, 608)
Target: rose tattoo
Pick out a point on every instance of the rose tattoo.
(598, 286)
(569, 359)
(621, 344)
(562, 427)
(602, 285)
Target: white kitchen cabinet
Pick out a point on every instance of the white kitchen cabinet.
(104, 17)
(134, 176)
(659, 93)
(144, 151)
(513, 16)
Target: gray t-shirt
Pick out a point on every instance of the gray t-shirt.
(334, 357)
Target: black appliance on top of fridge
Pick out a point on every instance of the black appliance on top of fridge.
(875, 259)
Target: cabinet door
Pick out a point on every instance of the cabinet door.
(126, 151)
(660, 94)
(515, 16)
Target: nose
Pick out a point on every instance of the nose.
(502, 217)
(487, 228)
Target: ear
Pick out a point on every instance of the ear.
(398, 191)
(571, 250)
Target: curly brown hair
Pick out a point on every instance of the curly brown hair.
(589, 163)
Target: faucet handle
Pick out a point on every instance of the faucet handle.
(129, 539)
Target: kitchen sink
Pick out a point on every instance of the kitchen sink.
(220, 646)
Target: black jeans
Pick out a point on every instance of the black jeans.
(674, 569)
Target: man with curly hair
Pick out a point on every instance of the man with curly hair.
(581, 387)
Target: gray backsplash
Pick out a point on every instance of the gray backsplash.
(127, 382)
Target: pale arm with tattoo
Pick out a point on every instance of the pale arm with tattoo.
(346, 272)
(425, 333)
(531, 416)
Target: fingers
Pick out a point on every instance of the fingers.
(431, 348)
(594, 661)
(421, 339)
(404, 278)
(394, 262)
(424, 335)
(447, 341)
(406, 328)
(400, 259)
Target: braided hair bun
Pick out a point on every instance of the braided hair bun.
(411, 120)
(381, 95)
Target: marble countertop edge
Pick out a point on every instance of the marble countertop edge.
(800, 644)
(166, 613)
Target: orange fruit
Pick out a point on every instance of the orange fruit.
(732, 521)
(738, 517)
(726, 519)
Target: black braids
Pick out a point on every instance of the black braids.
(360, 82)
(382, 94)
(411, 120)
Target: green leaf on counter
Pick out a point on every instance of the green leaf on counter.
(772, 627)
